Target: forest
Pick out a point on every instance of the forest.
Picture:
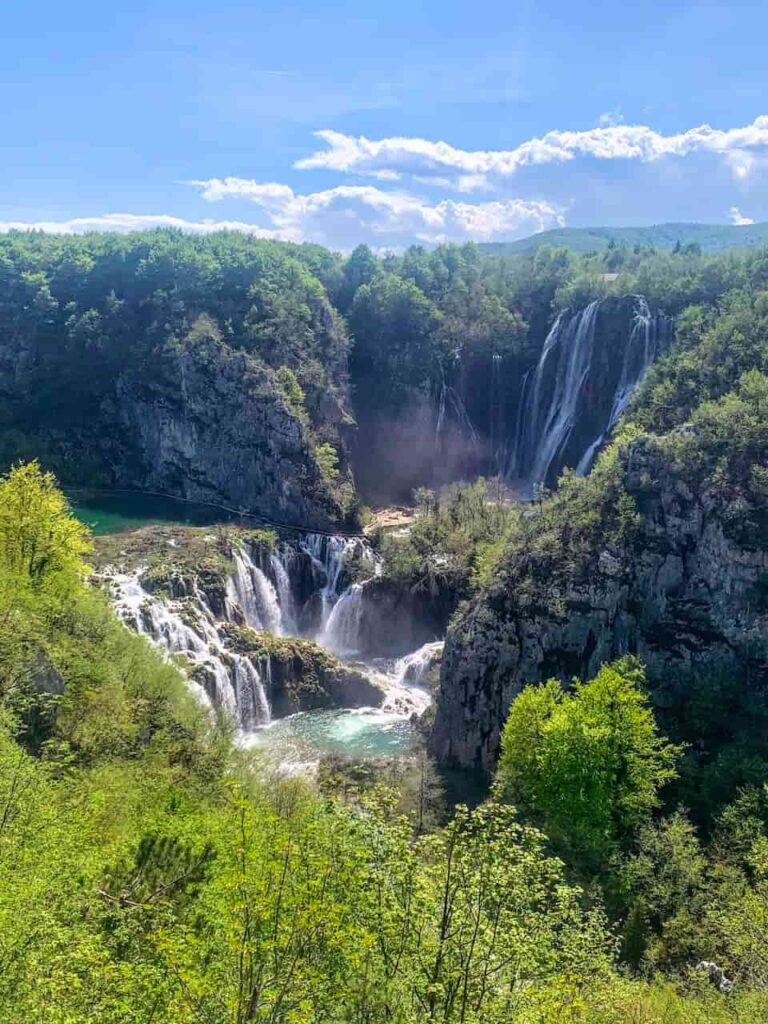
(614, 867)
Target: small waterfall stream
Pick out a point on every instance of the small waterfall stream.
(341, 632)
(253, 594)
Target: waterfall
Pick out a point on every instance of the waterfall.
(250, 591)
(157, 620)
(284, 591)
(496, 416)
(412, 667)
(330, 558)
(580, 387)
(240, 593)
(218, 672)
(573, 346)
(266, 599)
(645, 341)
(405, 692)
(341, 633)
(233, 679)
(252, 703)
(449, 398)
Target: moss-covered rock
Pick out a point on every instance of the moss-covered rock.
(299, 674)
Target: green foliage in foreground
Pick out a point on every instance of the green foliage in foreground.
(590, 763)
(151, 873)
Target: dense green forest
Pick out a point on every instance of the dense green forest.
(113, 346)
(151, 870)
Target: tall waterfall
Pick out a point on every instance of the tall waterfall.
(590, 366)
(647, 336)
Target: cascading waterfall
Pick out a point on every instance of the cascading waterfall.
(331, 558)
(413, 667)
(406, 693)
(157, 620)
(580, 387)
(240, 685)
(341, 633)
(250, 591)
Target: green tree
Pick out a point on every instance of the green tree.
(39, 536)
(588, 764)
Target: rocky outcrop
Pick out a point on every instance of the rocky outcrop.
(211, 426)
(688, 594)
(299, 675)
(202, 422)
(395, 620)
(201, 375)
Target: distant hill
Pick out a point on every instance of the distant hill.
(711, 238)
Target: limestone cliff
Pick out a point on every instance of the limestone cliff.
(672, 568)
(211, 370)
(206, 423)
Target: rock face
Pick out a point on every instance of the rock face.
(211, 426)
(688, 595)
(394, 620)
(202, 422)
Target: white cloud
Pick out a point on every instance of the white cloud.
(610, 119)
(122, 222)
(737, 217)
(397, 157)
(350, 213)
(339, 217)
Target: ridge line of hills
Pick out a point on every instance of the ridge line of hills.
(710, 237)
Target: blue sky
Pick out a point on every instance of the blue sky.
(440, 120)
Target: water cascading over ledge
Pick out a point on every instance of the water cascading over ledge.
(592, 362)
(261, 635)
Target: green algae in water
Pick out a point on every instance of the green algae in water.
(119, 512)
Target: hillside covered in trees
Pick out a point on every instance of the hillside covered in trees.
(710, 238)
(587, 438)
(154, 871)
(260, 374)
